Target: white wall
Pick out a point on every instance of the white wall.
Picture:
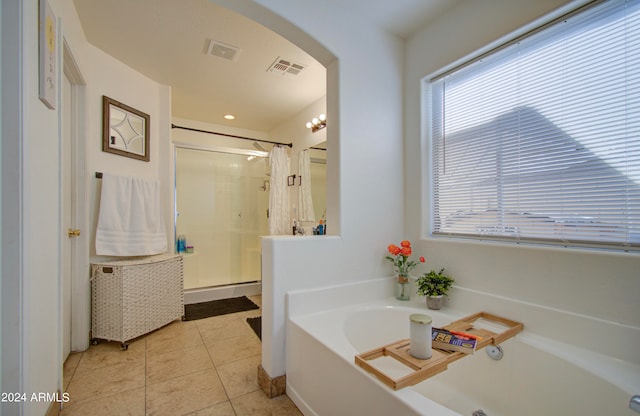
(599, 285)
(367, 191)
(40, 296)
(121, 83)
(105, 75)
(41, 230)
(295, 131)
(364, 149)
(365, 174)
(364, 157)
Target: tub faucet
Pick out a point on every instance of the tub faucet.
(479, 412)
(634, 403)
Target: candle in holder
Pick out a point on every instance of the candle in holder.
(420, 336)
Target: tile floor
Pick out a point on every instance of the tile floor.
(206, 367)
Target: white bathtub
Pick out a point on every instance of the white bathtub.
(536, 376)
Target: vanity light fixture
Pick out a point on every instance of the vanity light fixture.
(318, 123)
(229, 117)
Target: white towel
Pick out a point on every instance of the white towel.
(130, 221)
(279, 218)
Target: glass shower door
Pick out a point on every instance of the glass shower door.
(221, 204)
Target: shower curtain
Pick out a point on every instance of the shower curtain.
(279, 216)
(305, 202)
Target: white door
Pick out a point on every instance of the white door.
(75, 300)
(68, 216)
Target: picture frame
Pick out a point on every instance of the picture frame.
(125, 130)
(48, 51)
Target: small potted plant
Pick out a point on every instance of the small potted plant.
(434, 285)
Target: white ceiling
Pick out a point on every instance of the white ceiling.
(165, 39)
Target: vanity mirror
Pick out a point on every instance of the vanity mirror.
(125, 130)
(316, 172)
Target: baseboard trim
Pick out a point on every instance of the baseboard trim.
(222, 292)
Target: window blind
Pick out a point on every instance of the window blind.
(540, 140)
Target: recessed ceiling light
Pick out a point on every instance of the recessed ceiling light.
(229, 117)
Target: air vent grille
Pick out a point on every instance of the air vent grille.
(221, 50)
(285, 67)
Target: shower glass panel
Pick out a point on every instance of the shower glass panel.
(221, 208)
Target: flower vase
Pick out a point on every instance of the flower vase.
(402, 288)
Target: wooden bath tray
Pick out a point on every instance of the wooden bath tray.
(440, 359)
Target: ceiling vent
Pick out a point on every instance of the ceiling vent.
(285, 67)
(221, 50)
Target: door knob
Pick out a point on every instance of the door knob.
(73, 233)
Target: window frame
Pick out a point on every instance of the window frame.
(426, 118)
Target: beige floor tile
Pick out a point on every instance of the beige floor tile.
(69, 368)
(108, 354)
(168, 365)
(240, 377)
(129, 403)
(175, 336)
(222, 409)
(233, 349)
(223, 327)
(171, 371)
(257, 299)
(249, 314)
(258, 404)
(186, 394)
(106, 381)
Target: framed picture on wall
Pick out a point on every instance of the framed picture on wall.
(48, 51)
(125, 130)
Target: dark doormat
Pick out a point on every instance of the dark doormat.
(256, 325)
(203, 310)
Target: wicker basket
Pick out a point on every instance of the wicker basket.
(133, 297)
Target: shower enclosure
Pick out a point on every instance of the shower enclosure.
(222, 201)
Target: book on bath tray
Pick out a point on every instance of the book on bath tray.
(445, 340)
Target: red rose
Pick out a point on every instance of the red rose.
(422, 260)
(405, 243)
(394, 249)
(406, 251)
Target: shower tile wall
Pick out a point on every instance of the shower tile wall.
(222, 205)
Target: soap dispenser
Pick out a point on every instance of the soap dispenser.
(181, 244)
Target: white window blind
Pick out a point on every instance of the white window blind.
(540, 139)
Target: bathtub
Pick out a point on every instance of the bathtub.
(536, 376)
